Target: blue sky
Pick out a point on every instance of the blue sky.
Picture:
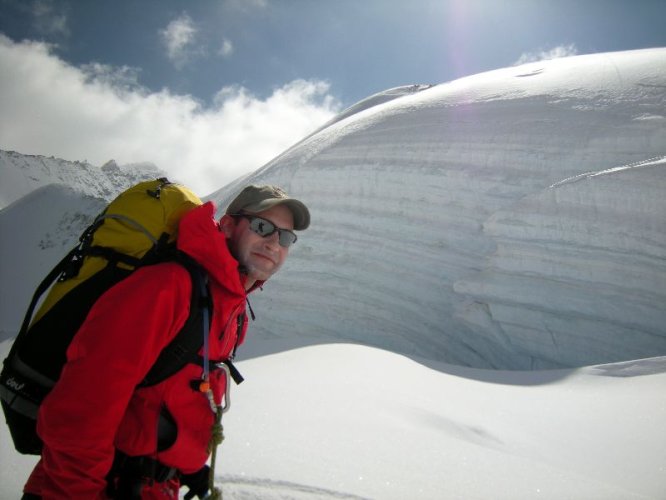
(256, 56)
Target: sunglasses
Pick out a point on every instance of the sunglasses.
(265, 228)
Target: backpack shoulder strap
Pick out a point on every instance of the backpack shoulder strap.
(185, 346)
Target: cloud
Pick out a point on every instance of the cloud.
(179, 38)
(226, 49)
(247, 5)
(119, 78)
(544, 55)
(97, 113)
(48, 21)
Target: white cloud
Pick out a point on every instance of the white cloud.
(226, 49)
(179, 38)
(99, 113)
(47, 20)
(543, 55)
(247, 5)
(124, 77)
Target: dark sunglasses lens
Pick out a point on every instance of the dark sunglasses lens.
(265, 228)
(262, 227)
(287, 238)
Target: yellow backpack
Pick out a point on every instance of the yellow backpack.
(138, 228)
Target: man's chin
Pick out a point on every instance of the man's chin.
(260, 273)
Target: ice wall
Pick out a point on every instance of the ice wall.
(512, 219)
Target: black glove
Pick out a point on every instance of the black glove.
(197, 482)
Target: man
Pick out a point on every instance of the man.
(104, 437)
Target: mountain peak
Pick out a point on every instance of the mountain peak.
(22, 174)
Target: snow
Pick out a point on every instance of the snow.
(348, 421)
(22, 174)
(461, 232)
(405, 430)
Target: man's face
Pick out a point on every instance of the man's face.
(261, 256)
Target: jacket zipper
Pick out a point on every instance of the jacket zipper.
(239, 325)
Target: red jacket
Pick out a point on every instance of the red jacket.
(94, 408)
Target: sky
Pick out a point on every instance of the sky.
(220, 87)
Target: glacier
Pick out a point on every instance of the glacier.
(514, 219)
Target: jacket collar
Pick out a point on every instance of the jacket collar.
(200, 237)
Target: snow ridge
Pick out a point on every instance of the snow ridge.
(21, 174)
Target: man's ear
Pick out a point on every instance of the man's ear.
(227, 225)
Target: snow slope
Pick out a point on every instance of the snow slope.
(512, 219)
(317, 423)
(318, 416)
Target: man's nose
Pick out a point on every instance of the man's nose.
(273, 240)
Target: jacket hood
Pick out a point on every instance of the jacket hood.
(200, 237)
